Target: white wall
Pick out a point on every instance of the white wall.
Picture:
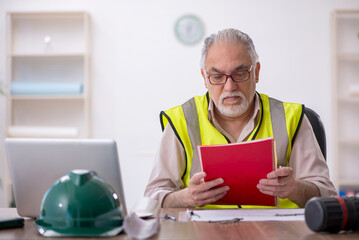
(139, 68)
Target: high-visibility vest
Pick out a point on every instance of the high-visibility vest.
(280, 120)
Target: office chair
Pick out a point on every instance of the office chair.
(318, 128)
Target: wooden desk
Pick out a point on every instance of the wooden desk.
(198, 230)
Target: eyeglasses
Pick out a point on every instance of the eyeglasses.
(238, 76)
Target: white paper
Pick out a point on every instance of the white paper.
(138, 228)
(284, 214)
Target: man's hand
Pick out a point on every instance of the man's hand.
(198, 194)
(281, 183)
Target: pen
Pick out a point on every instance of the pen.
(167, 216)
(233, 220)
(288, 214)
(190, 214)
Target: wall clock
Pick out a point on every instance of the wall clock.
(189, 29)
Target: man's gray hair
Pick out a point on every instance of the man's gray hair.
(229, 35)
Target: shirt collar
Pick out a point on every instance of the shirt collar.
(252, 123)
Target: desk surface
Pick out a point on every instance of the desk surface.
(198, 230)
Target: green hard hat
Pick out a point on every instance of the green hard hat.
(80, 204)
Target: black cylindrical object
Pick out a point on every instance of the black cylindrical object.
(332, 214)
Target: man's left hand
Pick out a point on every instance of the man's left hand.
(279, 183)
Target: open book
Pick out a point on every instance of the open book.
(241, 165)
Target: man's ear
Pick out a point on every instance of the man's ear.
(204, 78)
(258, 68)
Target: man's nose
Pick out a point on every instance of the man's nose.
(230, 84)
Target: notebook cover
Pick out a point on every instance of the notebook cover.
(241, 165)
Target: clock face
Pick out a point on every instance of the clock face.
(189, 29)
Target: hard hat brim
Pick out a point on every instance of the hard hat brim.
(47, 231)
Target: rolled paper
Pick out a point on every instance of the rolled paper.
(27, 87)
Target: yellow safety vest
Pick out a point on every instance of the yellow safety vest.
(190, 123)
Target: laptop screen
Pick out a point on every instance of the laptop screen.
(36, 164)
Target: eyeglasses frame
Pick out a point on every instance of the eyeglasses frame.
(230, 75)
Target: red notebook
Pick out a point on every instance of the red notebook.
(241, 165)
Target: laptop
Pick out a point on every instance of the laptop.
(36, 164)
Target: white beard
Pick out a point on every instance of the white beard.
(234, 110)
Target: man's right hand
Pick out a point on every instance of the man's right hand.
(198, 194)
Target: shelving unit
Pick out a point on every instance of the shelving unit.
(345, 97)
(48, 74)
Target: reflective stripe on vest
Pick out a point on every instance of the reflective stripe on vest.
(192, 127)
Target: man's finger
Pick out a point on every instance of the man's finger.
(280, 172)
(276, 189)
(273, 182)
(268, 193)
(281, 195)
(210, 193)
(212, 199)
(197, 178)
(212, 183)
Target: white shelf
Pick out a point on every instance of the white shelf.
(345, 92)
(48, 32)
(349, 182)
(42, 132)
(48, 97)
(347, 14)
(45, 55)
(47, 52)
(348, 56)
(346, 31)
(48, 56)
(350, 142)
(348, 99)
